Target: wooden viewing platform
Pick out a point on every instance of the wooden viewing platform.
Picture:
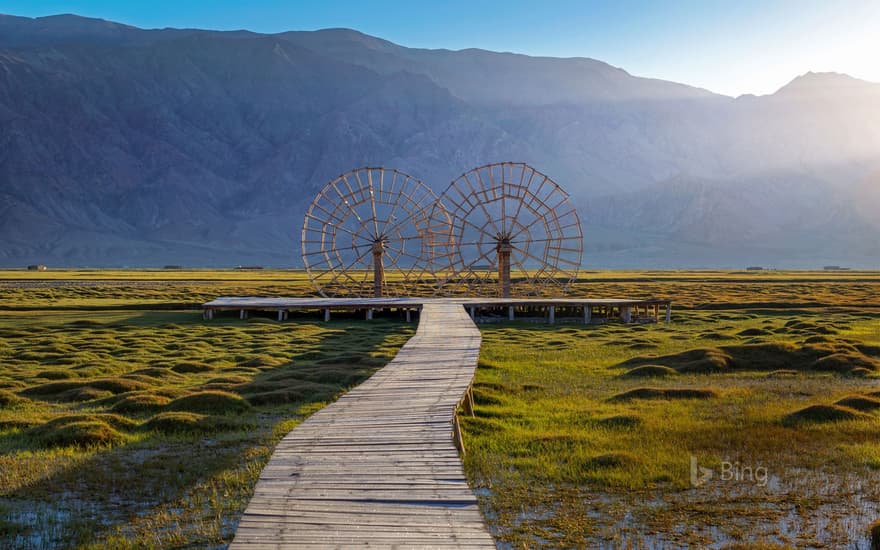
(481, 309)
(379, 467)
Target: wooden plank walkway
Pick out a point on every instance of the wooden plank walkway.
(379, 467)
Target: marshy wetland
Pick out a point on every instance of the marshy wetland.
(127, 420)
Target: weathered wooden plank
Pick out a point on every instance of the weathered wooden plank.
(378, 467)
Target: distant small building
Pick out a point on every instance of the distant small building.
(172, 267)
(835, 268)
(249, 267)
(37, 267)
(755, 268)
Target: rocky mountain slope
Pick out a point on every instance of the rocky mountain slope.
(124, 146)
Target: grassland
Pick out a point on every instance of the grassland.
(583, 436)
(126, 420)
(128, 428)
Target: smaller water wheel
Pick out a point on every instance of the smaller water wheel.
(364, 235)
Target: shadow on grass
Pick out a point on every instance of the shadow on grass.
(180, 476)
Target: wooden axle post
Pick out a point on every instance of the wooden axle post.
(378, 268)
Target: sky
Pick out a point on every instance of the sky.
(728, 47)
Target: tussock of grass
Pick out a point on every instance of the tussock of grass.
(9, 400)
(648, 371)
(228, 380)
(844, 362)
(838, 356)
(701, 360)
(55, 374)
(140, 404)
(159, 373)
(188, 422)
(210, 402)
(261, 361)
(84, 390)
(753, 332)
(859, 403)
(85, 393)
(81, 431)
(51, 389)
(665, 393)
(191, 368)
(84, 433)
(817, 414)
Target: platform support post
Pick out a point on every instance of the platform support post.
(327, 315)
(242, 314)
(280, 314)
(369, 314)
(473, 311)
(510, 315)
(588, 313)
(456, 435)
(626, 314)
(552, 314)
(467, 404)
(668, 313)
(408, 315)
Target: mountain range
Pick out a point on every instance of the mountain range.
(122, 146)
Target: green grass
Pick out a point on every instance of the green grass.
(127, 421)
(147, 429)
(581, 438)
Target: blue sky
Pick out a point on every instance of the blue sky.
(730, 47)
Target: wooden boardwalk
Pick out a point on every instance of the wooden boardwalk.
(379, 467)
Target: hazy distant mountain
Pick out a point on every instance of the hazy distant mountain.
(124, 146)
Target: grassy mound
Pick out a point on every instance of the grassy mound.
(84, 390)
(79, 434)
(187, 422)
(646, 371)
(753, 332)
(55, 374)
(228, 380)
(191, 368)
(9, 400)
(837, 356)
(665, 393)
(817, 414)
(859, 403)
(210, 402)
(142, 403)
(844, 362)
(85, 393)
(81, 431)
(158, 373)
